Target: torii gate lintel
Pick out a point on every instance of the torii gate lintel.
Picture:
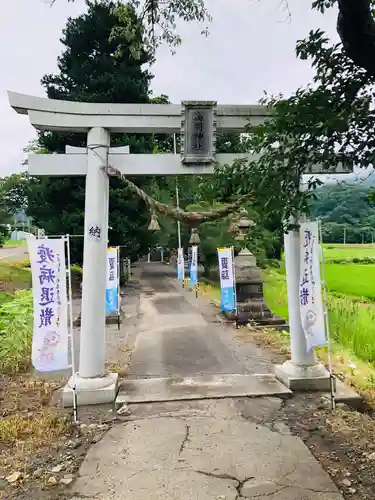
(198, 123)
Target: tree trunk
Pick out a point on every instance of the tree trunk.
(356, 28)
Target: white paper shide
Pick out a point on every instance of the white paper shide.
(310, 288)
(50, 338)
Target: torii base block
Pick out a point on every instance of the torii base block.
(91, 391)
(303, 378)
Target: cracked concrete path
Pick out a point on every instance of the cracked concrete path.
(204, 450)
(229, 449)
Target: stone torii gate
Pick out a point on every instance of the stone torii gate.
(198, 123)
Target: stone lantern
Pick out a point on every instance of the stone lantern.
(249, 285)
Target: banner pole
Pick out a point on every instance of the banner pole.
(326, 318)
(183, 267)
(234, 286)
(71, 328)
(118, 288)
(197, 284)
(183, 272)
(196, 267)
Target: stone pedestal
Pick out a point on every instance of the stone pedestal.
(249, 288)
(91, 391)
(303, 378)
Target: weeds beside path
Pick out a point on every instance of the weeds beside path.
(351, 328)
(341, 440)
(40, 449)
(14, 275)
(28, 427)
(14, 243)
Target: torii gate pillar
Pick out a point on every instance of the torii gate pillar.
(92, 384)
(91, 381)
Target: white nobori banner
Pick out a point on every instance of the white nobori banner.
(50, 347)
(310, 287)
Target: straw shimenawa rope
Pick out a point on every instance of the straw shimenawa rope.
(189, 218)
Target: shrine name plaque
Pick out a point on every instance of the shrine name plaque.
(198, 132)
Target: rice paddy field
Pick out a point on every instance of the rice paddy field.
(332, 252)
(350, 277)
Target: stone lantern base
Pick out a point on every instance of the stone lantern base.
(250, 300)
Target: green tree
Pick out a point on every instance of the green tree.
(14, 193)
(329, 123)
(7, 208)
(97, 67)
(347, 213)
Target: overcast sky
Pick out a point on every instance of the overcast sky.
(250, 49)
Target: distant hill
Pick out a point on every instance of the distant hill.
(345, 209)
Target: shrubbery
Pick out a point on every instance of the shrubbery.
(16, 328)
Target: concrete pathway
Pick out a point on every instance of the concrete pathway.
(177, 335)
(224, 449)
(14, 253)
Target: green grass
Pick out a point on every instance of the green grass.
(16, 313)
(16, 321)
(351, 323)
(14, 276)
(348, 251)
(353, 280)
(356, 281)
(14, 243)
(348, 254)
(275, 292)
(351, 326)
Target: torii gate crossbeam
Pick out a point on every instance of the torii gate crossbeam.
(98, 121)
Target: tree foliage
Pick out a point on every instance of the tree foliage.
(328, 123)
(93, 69)
(345, 210)
(14, 193)
(159, 19)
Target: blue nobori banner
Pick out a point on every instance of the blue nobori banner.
(180, 265)
(227, 281)
(194, 265)
(112, 288)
